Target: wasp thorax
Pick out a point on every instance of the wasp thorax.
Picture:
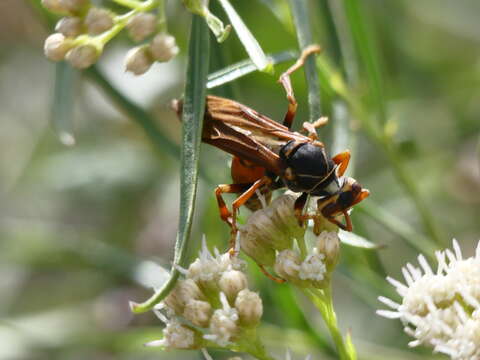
(309, 168)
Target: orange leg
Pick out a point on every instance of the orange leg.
(347, 227)
(231, 217)
(311, 128)
(243, 198)
(270, 276)
(225, 214)
(287, 85)
(342, 159)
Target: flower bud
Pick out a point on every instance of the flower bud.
(223, 324)
(54, 6)
(232, 282)
(74, 5)
(254, 246)
(249, 307)
(198, 312)
(287, 265)
(83, 56)
(163, 47)
(98, 21)
(328, 244)
(141, 26)
(56, 47)
(178, 336)
(70, 26)
(138, 60)
(184, 291)
(313, 269)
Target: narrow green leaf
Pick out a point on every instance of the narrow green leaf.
(192, 121)
(245, 67)
(63, 102)
(351, 351)
(365, 47)
(352, 239)
(249, 42)
(304, 34)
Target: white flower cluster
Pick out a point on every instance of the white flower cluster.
(211, 305)
(268, 238)
(81, 35)
(441, 308)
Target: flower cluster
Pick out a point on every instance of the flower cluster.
(85, 29)
(268, 238)
(211, 306)
(441, 308)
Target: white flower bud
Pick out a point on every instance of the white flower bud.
(287, 265)
(83, 56)
(198, 312)
(141, 26)
(98, 21)
(328, 244)
(184, 291)
(54, 6)
(138, 60)
(177, 336)
(70, 26)
(223, 324)
(163, 47)
(232, 282)
(56, 47)
(74, 5)
(313, 269)
(249, 307)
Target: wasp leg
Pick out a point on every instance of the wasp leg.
(241, 200)
(342, 159)
(311, 128)
(298, 208)
(225, 214)
(270, 276)
(347, 227)
(287, 85)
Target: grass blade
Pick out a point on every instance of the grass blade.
(63, 102)
(192, 120)
(300, 16)
(249, 42)
(368, 54)
(355, 240)
(245, 67)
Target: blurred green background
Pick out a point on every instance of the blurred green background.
(82, 227)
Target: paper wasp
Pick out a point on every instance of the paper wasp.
(268, 156)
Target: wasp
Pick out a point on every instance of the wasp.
(268, 155)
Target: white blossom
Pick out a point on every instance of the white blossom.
(223, 324)
(175, 336)
(441, 308)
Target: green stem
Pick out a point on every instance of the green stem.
(122, 20)
(133, 4)
(324, 303)
(252, 345)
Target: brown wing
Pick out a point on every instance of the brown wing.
(224, 137)
(249, 121)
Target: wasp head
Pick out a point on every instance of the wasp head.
(350, 194)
